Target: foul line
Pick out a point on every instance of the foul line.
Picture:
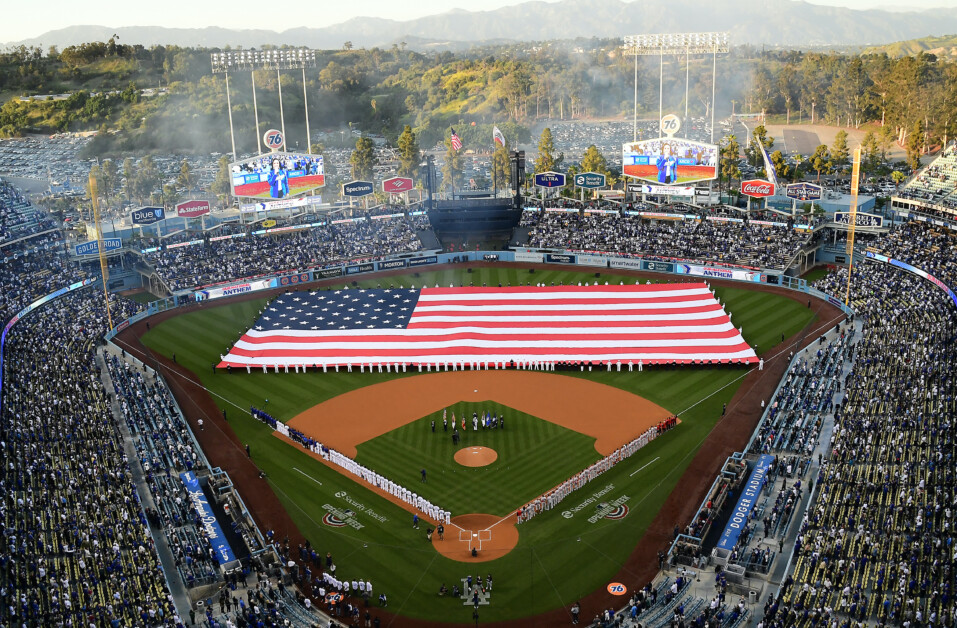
(634, 472)
(307, 475)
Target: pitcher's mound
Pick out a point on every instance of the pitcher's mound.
(475, 456)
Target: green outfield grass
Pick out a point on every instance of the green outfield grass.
(534, 456)
(559, 558)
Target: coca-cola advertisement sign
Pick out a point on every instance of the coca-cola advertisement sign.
(757, 188)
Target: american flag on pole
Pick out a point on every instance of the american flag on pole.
(657, 323)
(455, 141)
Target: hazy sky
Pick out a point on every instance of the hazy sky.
(22, 20)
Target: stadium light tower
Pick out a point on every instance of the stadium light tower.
(252, 60)
(676, 43)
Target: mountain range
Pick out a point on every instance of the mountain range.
(791, 23)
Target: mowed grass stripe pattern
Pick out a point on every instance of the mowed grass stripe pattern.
(558, 560)
(534, 456)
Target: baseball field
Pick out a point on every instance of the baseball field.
(555, 425)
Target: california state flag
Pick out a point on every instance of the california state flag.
(498, 136)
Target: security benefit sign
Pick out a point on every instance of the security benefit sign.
(746, 502)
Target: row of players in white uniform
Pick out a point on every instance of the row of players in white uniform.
(553, 498)
(396, 490)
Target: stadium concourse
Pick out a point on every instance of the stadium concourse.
(853, 519)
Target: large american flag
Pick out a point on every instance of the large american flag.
(653, 323)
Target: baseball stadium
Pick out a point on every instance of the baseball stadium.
(434, 406)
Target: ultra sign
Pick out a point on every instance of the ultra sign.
(550, 179)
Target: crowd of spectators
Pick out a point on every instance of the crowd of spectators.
(76, 549)
(876, 545)
(937, 183)
(248, 256)
(707, 241)
(18, 217)
(925, 246)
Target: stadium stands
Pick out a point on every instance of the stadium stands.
(711, 240)
(234, 258)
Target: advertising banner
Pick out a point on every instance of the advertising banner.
(392, 263)
(590, 180)
(658, 267)
(397, 185)
(522, 256)
(357, 188)
(718, 272)
(592, 260)
(324, 273)
(549, 179)
(360, 268)
(291, 280)
(224, 553)
(240, 288)
(192, 209)
(863, 221)
(804, 191)
(422, 261)
(633, 264)
(746, 502)
(147, 215)
(665, 190)
(288, 203)
(92, 248)
(756, 188)
(559, 258)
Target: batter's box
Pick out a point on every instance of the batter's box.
(485, 535)
(466, 536)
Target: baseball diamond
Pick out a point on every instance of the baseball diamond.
(619, 502)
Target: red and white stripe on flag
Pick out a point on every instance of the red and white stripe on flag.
(657, 323)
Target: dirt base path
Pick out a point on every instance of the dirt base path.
(611, 415)
(730, 434)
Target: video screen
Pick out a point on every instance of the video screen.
(670, 161)
(277, 175)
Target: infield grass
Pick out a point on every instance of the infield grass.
(533, 457)
(559, 558)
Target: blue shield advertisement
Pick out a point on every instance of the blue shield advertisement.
(147, 215)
